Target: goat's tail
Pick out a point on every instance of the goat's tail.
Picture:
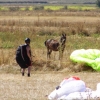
(45, 42)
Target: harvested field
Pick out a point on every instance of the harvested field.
(40, 84)
(83, 32)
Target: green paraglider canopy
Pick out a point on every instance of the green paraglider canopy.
(91, 57)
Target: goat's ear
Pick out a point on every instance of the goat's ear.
(62, 34)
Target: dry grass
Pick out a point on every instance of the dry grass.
(40, 84)
(45, 74)
(51, 25)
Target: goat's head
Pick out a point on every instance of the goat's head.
(63, 39)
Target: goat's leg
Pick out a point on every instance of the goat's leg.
(61, 51)
(60, 54)
(49, 53)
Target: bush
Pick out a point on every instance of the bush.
(39, 8)
(65, 7)
(13, 8)
(98, 3)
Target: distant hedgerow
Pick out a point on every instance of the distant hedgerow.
(98, 3)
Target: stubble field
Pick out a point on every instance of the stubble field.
(82, 29)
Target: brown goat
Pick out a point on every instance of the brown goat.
(54, 45)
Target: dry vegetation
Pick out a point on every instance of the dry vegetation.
(40, 84)
(82, 30)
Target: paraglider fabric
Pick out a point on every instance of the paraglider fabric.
(67, 86)
(74, 88)
(90, 57)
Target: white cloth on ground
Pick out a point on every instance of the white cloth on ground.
(67, 86)
(83, 95)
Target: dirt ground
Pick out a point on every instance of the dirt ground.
(17, 87)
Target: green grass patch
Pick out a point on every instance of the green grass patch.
(7, 40)
(80, 7)
(31, 8)
(2, 8)
(7, 45)
(22, 8)
(26, 8)
(53, 7)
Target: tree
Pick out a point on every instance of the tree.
(98, 3)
